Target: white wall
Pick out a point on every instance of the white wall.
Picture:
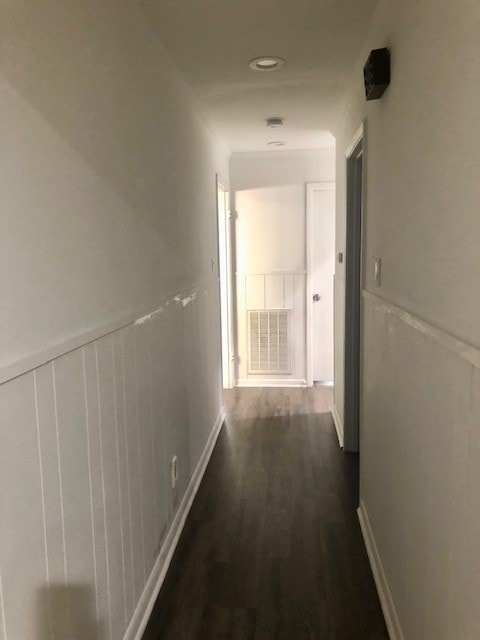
(420, 442)
(269, 200)
(108, 213)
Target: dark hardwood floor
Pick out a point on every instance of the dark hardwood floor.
(272, 548)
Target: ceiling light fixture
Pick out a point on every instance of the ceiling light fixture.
(274, 122)
(276, 143)
(266, 63)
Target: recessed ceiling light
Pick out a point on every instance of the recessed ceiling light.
(276, 143)
(266, 63)
(274, 122)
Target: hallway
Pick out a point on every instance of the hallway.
(119, 121)
(272, 547)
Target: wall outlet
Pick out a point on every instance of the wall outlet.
(174, 471)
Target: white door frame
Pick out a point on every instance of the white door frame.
(354, 251)
(311, 187)
(225, 283)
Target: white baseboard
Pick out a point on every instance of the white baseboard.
(150, 593)
(388, 606)
(338, 425)
(284, 382)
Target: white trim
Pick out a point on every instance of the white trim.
(150, 593)
(222, 182)
(225, 269)
(311, 187)
(457, 346)
(354, 431)
(284, 382)
(384, 594)
(355, 140)
(16, 368)
(338, 425)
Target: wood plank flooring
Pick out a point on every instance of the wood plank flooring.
(272, 549)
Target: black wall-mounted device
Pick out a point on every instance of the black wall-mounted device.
(376, 73)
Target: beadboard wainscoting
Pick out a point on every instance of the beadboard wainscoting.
(90, 516)
(420, 473)
(262, 291)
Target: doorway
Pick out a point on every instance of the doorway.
(225, 277)
(320, 274)
(353, 293)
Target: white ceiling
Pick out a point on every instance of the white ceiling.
(212, 42)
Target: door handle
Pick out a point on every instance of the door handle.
(316, 297)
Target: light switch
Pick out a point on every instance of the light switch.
(378, 270)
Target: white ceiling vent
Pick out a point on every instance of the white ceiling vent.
(269, 341)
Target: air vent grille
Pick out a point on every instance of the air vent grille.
(268, 332)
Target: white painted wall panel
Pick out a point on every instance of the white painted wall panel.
(299, 326)
(289, 287)
(193, 356)
(123, 473)
(145, 443)
(241, 328)
(22, 555)
(133, 465)
(274, 291)
(47, 429)
(200, 356)
(75, 493)
(98, 523)
(159, 372)
(177, 397)
(466, 561)
(109, 461)
(427, 456)
(255, 291)
(212, 353)
(95, 432)
(3, 626)
(281, 291)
